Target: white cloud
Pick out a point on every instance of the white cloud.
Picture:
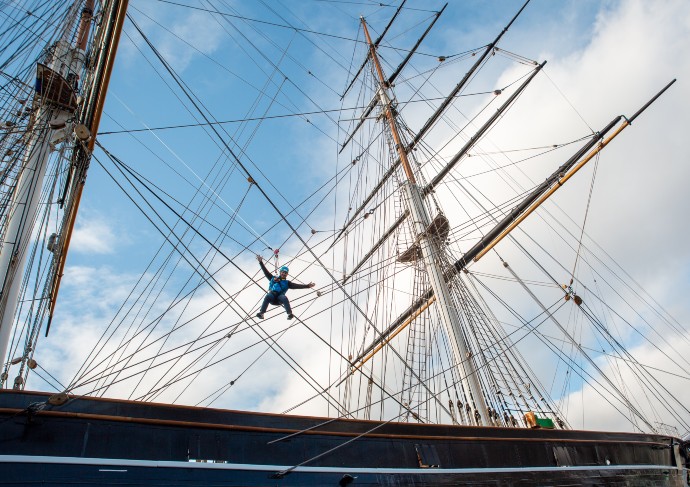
(589, 409)
(94, 234)
(190, 36)
(180, 35)
(639, 200)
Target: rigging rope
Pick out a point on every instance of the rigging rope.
(125, 168)
(584, 221)
(227, 296)
(239, 162)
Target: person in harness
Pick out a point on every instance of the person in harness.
(277, 287)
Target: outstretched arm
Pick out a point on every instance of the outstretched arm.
(263, 267)
(294, 285)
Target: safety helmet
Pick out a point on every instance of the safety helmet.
(284, 269)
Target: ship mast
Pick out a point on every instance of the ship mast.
(59, 115)
(429, 247)
(109, 38)
(53, 104)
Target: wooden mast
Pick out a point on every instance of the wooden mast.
(562, 179)
(54, 101)
(421, 222)
(91, 117)
(552, 183)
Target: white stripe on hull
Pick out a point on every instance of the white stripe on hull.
(279, 468)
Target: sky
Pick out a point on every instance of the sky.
(605, 58)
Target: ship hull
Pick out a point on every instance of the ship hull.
(96, 442)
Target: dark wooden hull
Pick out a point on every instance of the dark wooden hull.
(91, 441)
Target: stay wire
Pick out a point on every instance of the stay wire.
(144, 213)
(220, 391)
(222, 146)
(244, 247)
(157, 321)
(201, 334)
(239, 162)
(576, 368)
(202, 184)
(275, 24)
(124, 167)
(584, 222)
(568, 101)
(316, 45)
(131, 292)
(194, 100)
(595, 295)
(628, 278)
(279, 116)
(560, 223)
(649, 378)
(224, 67)
(272, 343)
(534, 260)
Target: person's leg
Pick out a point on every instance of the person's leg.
(285, 302)
(268, 299)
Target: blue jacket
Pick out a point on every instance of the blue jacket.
(278, 285)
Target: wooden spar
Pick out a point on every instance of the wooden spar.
(103, 89)
(416, 311)
(378, 41)
(404, 62)
(484, 128)
(561, 180)
(477, 248)
(55, 99)
(465, 259)
(84, 23)
(439, 111)
(437, 179)
(406, 314)
(377, 346)
(387, 109)
(420, 221)
(373, 102)
(530, 198)
(549, 192)
(111, 50)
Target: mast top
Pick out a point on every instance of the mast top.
(385, 100)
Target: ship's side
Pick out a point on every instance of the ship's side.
(114, 442)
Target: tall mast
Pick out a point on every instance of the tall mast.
(114, 16)
(434, 117)
(430, 249)
(595, 144)
(53, 103)
(57, 116)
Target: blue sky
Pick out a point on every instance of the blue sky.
(139, 96)
(605, 58)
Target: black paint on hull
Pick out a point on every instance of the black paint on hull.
(91, 441)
